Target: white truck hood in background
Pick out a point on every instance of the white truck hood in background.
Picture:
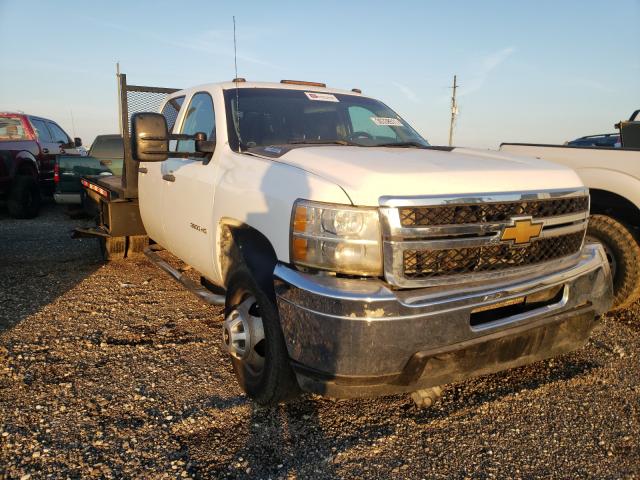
(368, 173)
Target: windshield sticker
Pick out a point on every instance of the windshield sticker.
(273, 150)
(388, 122)
(323, 97)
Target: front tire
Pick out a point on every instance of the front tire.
(254, 339)
(623, 253)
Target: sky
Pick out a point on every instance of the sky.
(543, 71)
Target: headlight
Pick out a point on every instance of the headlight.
(336, 237)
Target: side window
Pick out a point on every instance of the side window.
(12, 129)
(107, 147)
(170, 111)
(199, 117)
(42, 132)
(57, 133)
(362, 121)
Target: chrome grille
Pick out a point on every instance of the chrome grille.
(490, 212)
(435, 263)
(452, 240)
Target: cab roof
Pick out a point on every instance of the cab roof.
(231, 85)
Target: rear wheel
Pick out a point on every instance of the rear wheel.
(24, 197)
(136, 245)
(623, 253)
(112, 248)
(254, 340)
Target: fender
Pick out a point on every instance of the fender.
(615, 181)
(252, 249)
(24, 162)
(614, 205)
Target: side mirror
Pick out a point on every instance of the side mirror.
(149, 137)
(77, 142)
(203, 145)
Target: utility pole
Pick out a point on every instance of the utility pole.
(454, 109)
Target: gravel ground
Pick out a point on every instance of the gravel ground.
(114, 371)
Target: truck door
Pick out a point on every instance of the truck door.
(188, 190)
(151, 184)
(49, 148)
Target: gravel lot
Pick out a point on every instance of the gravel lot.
(114, 371)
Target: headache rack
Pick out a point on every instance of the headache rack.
(135, 99)
(116, 197)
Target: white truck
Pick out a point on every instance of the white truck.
(352, 258)
(613, 177)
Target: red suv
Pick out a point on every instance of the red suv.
(28, 146)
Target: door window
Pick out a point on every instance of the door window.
(170, 111)
(199, 117)
(58, 134)
(42, 132)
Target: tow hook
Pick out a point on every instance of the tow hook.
(427, 397)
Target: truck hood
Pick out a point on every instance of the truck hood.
(366, 174)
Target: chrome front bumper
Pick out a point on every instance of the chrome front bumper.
(358, 337)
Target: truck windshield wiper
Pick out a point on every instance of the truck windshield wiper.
(401, 144)
(321, 142)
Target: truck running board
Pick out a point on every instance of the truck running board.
(189, 284)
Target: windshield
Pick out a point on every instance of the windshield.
(11, 128)
(267, 116)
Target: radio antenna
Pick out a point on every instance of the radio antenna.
(73, 123)
(235, 64)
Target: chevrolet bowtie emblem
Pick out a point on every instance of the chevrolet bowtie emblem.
(522, 231)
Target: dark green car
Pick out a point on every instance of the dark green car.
(105, 158)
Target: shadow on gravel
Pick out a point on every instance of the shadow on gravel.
(510, 382)
(273, 443)
(39, 261)
(629, 317)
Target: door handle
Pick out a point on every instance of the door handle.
(45, 150)
(142, 169)
(169, 178)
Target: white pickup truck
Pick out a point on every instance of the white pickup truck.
(353, 258)
(613, 178)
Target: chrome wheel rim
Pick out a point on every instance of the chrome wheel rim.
(243, 334)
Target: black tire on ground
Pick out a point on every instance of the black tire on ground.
(276, 382)
(136, 245)
(113, 248)
(24, 197)
(624, 256)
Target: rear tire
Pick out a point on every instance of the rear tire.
(623, 253)
(273, 381)
(24, 197)
(112, 248)
(136, 245)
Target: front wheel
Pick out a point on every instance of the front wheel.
(253, 338)
(623, 253)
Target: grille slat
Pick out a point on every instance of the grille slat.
(490, 212)
(427, 264)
